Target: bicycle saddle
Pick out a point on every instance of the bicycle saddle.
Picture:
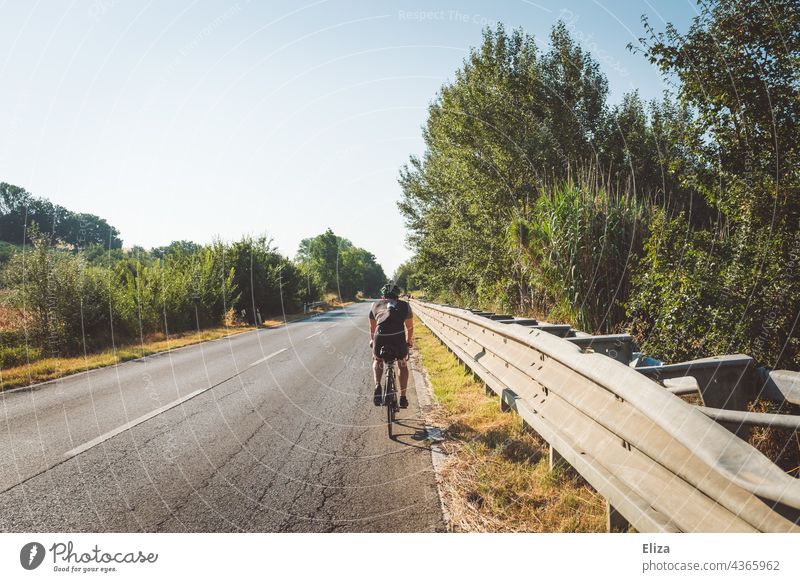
(387, 353)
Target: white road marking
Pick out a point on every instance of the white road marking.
(112, 433)
(314, 335)
(128, 425)
(265, 358)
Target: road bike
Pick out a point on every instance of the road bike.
(389, 399)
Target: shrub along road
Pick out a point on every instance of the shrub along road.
(272, 430)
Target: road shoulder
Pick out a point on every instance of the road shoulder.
(427, 403)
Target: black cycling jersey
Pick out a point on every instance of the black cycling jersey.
(390, 315)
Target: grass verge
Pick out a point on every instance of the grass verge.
(44, 369)
(52, 368)
(496, 477)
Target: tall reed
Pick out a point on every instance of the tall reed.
(577, 251)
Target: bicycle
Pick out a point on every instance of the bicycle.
(389, 399)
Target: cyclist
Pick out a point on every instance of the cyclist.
(391, 324)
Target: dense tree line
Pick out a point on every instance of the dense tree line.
(19, 210)
(676, 218)
(75, 299)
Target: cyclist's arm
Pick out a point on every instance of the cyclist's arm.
(372, 326)
(409, 331)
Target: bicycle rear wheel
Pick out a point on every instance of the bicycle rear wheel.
(391, 401)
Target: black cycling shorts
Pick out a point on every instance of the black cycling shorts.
(397, 343)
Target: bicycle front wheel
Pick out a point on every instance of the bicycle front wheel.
(391, 399)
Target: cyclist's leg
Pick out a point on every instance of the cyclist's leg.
(403, 364)
(377, 372)
(377, 369)
(402, 361)
(403, 377)
(377, 362)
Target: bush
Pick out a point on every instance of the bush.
(180, 292)
(702, 294)
(64, 297)
(18, 354)
(75, 306)
(267, 281)
(74, 300)
(7, 250)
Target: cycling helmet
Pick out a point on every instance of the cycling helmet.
(390, 290)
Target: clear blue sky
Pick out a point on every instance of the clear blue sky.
(196, 119)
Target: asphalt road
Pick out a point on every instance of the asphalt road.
(272, 430)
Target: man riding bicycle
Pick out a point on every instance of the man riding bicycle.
(391, 324)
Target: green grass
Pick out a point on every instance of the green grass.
(497, 476)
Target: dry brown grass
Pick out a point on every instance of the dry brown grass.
(782, 447)
(497, 477)
(11, 319)
(44, 369)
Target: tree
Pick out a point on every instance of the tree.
(513, 121)
(266, 280)
(320, 256)
(404, 276)
(337, 266)
(81, 230)
(19, 211)
(736, 69)
(67, 299)
(177, 247)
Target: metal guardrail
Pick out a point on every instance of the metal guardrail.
(662, 464)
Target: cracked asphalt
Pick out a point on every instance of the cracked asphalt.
(283, 437)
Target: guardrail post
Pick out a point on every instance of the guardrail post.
(507, 400)
(556, 460)
(725, 381)
(615, 522)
